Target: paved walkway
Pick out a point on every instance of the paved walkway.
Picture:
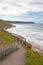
(16, 58)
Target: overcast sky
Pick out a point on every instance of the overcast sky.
(22, 10)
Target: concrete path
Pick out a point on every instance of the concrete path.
(16, 58)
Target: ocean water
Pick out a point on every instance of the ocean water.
(32, 32)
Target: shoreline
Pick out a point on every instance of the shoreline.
(35, 49)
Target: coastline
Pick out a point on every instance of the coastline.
(6, 50)
(35, 49)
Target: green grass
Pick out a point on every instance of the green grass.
(7, 37)
(33, 58)
(4, 24)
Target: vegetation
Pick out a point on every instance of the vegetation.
(33, 58)
(4, 24)
(5, 37)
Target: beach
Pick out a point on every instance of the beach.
(20, 31)
(32, 34)
(19, 56)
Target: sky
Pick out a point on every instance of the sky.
(22, 10)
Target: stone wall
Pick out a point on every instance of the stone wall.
(4, 52)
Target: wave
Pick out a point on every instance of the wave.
(33, 37)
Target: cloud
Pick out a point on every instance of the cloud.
(18, 7)
(37, 3)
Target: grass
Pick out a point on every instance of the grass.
(4, 24)
(6, 36)
(33, 58)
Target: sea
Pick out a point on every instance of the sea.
(32, 32)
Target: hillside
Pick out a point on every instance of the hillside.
(33, 58)
(5, 37)
(4, 24)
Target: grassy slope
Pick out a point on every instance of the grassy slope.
(4, 24)
(5, 37)
(33, 58)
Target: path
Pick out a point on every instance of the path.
(16, 58)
